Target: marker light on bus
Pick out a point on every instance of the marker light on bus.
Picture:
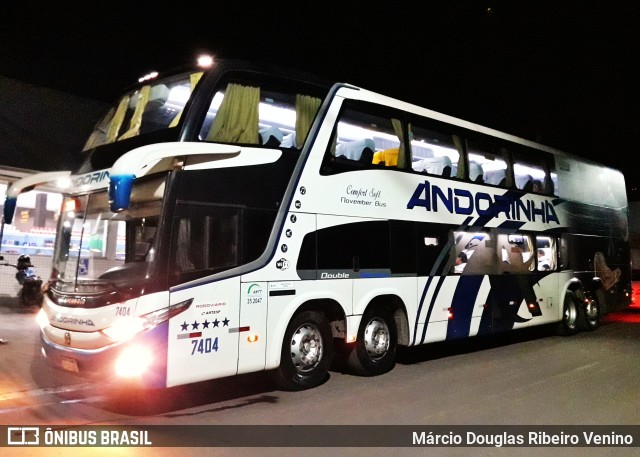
(133, 361)
(205, 61)
(148, 76)
(125, 329)
(70, 205)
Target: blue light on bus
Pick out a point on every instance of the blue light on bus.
(120, 191)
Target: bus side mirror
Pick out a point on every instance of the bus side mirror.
(9, 209)
(120, 192)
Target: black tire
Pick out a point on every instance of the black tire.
(602, 302)
(374, 351)
(570, 315)
(306, 355)
(589, 315)
(31, 294)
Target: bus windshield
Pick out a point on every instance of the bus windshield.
(98, 245)
(154, 106)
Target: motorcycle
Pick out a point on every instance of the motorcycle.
(31, 291)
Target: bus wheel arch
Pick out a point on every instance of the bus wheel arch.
(382, 327)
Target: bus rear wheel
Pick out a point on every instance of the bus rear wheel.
(589, 315)
(307, 349)
(569, 323)
(374, 351)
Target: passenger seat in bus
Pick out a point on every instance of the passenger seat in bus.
(524, 182)
(495, 177)
(387, 157)
(156, 115)
(440, 166)
(289, 141)
(475, 172)
(357, 151)
(270, 137)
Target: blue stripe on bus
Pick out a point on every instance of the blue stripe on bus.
(463, 302)
(424, 293)
(511, 225)
(374, 275)
(511, 195)
(431, 303)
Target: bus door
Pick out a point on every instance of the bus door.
(203, 340)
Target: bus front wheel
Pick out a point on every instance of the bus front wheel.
(569, 323)
(307, 349)
(374, 351)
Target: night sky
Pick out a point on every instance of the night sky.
(562, 73)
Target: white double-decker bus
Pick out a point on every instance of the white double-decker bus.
(233, 219)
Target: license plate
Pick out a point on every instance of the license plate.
(69, 364)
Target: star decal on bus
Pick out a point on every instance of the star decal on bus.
(184, 327)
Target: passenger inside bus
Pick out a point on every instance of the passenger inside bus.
(543, 261)
(514, 259)
(538, 187)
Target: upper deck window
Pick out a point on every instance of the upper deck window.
(489, 163)
(366, 136)
(252, 113)
(434, 152)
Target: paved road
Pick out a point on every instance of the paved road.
(528, 377)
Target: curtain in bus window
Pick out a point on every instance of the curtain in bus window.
(183, 249)
(193, 80)
(136, 119)
(99, 134)
(306, 109)
(460, 168)
(237, 118)
(397, 128)
(116, 122)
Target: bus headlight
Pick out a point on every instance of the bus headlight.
(41, 319)
(127, 328)
(133, 361)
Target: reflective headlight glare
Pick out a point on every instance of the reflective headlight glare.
(124, 329)
(41, 319)
(133, 362)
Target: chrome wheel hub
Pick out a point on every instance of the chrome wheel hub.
(376, 338)
(306, 348)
